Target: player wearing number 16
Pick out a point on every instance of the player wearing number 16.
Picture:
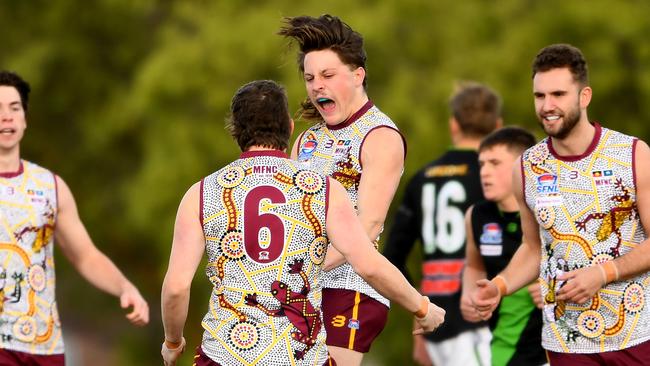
(433, 211)
(264, 222)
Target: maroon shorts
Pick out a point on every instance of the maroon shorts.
(637, 355)
(15, 358)
(352, 319)
(200, 359)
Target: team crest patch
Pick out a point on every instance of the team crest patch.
(491, 240)
(492, 234)
(547, 184)
(307, 150)
(353, 324)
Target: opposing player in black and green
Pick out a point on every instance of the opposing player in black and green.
(493, 236)
(431, 212)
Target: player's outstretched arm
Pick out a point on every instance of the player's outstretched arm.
(90, 262)
(474, 271)
(583, 283)
(348, 237)
(187, 249)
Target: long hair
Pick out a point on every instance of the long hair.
(324, 32)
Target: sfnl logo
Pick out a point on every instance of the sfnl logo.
(547, 184)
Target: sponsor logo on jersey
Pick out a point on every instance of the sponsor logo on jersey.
(492, 234)
(34, 192)
(548, 200)
(353, 324)
(603, 177)
(491, 250)
(342, 148)
(547, 184)
(307, 150)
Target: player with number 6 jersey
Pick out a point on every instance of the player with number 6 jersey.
(432, 211)
(265, 222)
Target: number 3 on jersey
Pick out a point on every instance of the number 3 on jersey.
(443, 224)
(263, 232)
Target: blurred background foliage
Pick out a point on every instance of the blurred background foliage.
(129, 99)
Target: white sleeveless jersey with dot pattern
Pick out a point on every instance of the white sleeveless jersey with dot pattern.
(586, 209)
(337, 153)
(29, 319)
(264, 223)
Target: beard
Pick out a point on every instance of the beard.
(569, 121)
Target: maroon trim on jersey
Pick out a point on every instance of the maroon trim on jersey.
(634, 161)
(353, 117)
(255, 153)
(20, 171)
(590, 149)
(523, 176)
(56, 194)
(201, 202)
(327, 198)
(374, 128)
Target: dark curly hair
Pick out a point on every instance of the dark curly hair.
(9, 78)
(559, 56)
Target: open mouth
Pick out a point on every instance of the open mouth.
(551, 117)
(7, 131)
(325, 103)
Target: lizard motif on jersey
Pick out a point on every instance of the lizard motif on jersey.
(612, 220)
(295, 306)
(43, 233)
(346, 174)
